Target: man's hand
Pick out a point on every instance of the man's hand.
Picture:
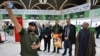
(66, 38)
(46, 36)
(35, 46)
(4, 4)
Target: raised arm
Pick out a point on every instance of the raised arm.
(13, 18)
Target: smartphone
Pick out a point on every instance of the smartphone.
(10, 5)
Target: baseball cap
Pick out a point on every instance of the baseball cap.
(32, 23)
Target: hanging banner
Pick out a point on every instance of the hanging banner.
(33, 12)
(6, 16)
(75, 15)
(48, 17)
(74, 12)
(82, 14)
(36, 17)
(80, 8)
(83, 7)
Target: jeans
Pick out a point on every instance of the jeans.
(47, 43)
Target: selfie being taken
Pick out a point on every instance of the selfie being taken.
(49, 28)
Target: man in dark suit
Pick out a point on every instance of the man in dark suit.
(47, 36)
(39, 32)
(69, 37)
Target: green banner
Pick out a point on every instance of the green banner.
(75, 15)
(82, 14)
(66, 16)
(49, 17)
(94, 13)
(87, 13)
(1, 17)
(53, 17)
(31, 16)
(44, 17)
(6, 16)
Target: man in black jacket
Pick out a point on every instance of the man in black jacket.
(69, 37)
(47, 37)
(57, 31)
(97, 31)
(39, 32)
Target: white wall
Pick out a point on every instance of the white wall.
(95, 22)
(78, 21)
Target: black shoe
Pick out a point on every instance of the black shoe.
(58, 52)
(48, 50)
(44, 50)
(60, 48)
(2, 41)
(53, 52)
(98, 38)
(63, 54)
(39, 50)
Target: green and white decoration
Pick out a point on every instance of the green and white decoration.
(81, 11)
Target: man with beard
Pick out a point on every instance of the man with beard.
(57, 36)
(47, 37)
(29, 40)
(39, 32)
(69, 33)
(85, 42)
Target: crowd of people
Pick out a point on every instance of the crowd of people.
(84, 41)
(31, 39)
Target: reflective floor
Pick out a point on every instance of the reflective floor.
(11, 48)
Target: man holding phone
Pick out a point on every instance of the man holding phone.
(29, 40)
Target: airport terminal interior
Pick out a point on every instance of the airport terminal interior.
(45, 15)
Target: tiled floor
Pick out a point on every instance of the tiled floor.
(10, 48)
